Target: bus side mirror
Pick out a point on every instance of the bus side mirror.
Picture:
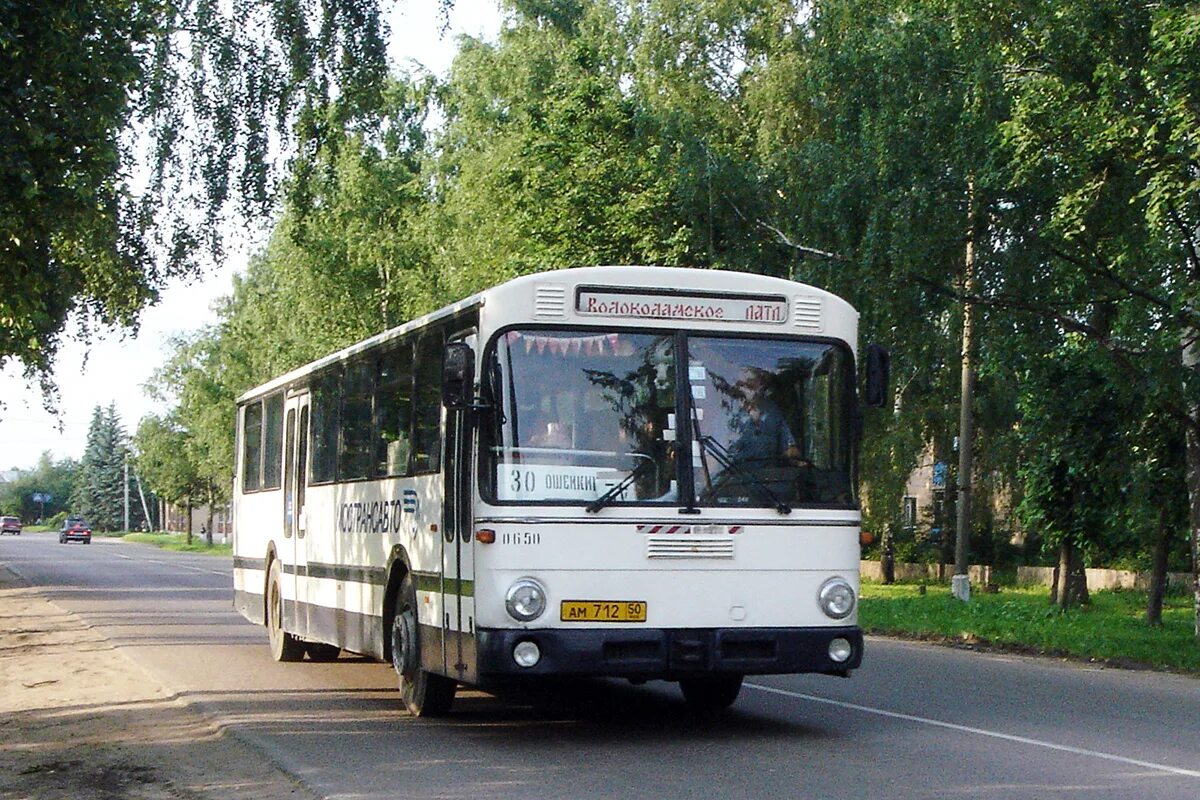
(458, 376)
(879, 367)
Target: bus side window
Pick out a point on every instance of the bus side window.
(272, 439)
(427, 392)
(354, 455)
(252, 447)
(324, 428)
(393, 411)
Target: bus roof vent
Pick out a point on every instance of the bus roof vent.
(808, 314)
(689, 547)
(550, 301)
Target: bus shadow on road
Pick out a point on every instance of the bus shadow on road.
(599, 709)
(619, 710)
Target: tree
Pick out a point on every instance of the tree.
(354, 260)
(876, 117)
(1073, 420)
(347, 268)
(53, 478)
(546, 160)
(99, 491)
(877, 125)
(1156, 499)
(67, 239)
(162, 458)
(209, 92)
(1104, 120)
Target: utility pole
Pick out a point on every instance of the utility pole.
(960, 583)
(145, 508)
(126, 528)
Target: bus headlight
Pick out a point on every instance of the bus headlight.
(526, 600)
(836, 598)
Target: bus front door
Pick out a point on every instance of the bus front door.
(458, 567)
(295, 475)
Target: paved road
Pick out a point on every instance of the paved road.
(914, 722)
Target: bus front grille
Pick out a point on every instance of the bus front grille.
(689, 547)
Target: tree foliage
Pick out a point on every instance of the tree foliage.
(854, 144)
(163, 460)
(546, 160)
(99, 491)
(68, 229)
(49, 477)
(134, 128)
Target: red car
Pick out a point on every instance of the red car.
(75, 529)
(10, 525)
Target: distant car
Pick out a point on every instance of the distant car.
(75, 529)
(10, 525)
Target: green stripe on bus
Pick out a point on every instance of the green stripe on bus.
(432, 582)
(428, 581)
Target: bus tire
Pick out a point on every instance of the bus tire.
(284, 646)
(319, 651)
(712, 693)
(423, 693)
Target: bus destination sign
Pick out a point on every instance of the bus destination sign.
(771, 309)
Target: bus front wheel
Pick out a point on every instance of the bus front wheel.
(423, 693)
(713, 693)
(284, 646)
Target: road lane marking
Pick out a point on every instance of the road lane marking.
(177, 566)
(1008, 737)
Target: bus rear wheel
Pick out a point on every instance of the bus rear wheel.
(713, 693)
(284, 646)
(423, 693)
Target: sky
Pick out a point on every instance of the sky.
(115, 366)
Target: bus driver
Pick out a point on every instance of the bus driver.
(762, 435)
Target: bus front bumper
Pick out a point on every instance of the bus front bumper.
(668, 653)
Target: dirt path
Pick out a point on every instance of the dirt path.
(79, 719)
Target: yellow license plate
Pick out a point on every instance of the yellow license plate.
(603, 611)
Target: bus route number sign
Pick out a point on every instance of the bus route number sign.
(603, 611)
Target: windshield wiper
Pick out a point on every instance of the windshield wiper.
(619, 488)
(722, 457)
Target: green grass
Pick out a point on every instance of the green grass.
(178, 542)
(1111, 629)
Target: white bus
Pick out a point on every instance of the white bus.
(640, 472)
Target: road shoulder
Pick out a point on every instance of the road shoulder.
(79, 718)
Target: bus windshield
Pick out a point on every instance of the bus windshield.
(581, 415)
(771, 419)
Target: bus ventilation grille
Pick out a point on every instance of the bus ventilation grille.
(550, 302)
(808, 314)
(689, 547)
